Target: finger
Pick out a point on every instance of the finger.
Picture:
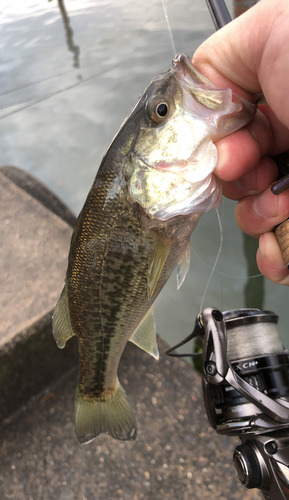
(270, 260)
(280, 132)
(218, 59)
(255, 62)
(240, 153)
(259, 214)
(254, 182)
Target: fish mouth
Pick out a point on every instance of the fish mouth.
(184, 70)
(183, 59)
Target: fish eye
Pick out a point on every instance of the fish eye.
(162, 109)
(158, 110)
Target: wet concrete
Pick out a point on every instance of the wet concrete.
(176, 454)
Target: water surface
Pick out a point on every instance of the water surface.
(70, 73)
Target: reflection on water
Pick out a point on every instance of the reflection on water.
(69, 33)
(57, 121)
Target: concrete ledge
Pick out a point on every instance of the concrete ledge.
(34, 244)
(31, 361)
(39, 192)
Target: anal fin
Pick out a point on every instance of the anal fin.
(145, 335)
(61, 324)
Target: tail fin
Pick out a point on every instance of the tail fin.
(111, 414)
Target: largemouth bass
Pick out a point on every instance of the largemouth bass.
(152, 186)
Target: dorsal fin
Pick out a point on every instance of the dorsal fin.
(145, 334)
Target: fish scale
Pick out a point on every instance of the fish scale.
(154, 183)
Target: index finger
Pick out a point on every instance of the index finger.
(240, 153)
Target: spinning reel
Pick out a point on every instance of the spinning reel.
(245, 377)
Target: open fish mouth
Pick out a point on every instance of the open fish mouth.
(226, 110)
(182, 65)
(192, 80)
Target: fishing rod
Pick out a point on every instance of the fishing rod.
(245, 372)
(219, 13)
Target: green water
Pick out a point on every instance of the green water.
(70, 72)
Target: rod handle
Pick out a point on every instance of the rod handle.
(282, 235)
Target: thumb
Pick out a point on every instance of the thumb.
(250, 55)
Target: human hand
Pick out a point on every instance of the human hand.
(251, 55)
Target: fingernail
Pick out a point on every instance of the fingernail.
(266, 205)
(248, 183)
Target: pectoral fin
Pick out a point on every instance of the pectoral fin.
(145, 335)
(157, 262)
(61, 325)
(183, 265)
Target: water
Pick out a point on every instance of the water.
(69, 75)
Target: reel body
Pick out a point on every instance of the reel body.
(245, 378)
